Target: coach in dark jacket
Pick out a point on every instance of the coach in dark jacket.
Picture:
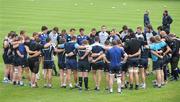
(166, 21)
(146, 19)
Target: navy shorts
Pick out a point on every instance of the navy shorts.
(62, 65)
(115, 69)
(143, 63)
(106, 67)
(25, 63)
(133, 62)
(98, 65)
(157, 65)
(71, 64)
(34, 65)
(48, 64)
(83, 66)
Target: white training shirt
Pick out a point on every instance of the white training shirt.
(103, 37)
(148, 36)
(53, 38)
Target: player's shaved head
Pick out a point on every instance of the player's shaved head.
(163, 33)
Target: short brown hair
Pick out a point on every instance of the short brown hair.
(35, 33)
(158, 38)
(22, 32)
(103, 26)
(114, 42)
(152, 39)
(124, 27)
(85, 42)
(119, 41)
(139, 27)
(72, 29)
(81, 29)
(113, 30)
(56, 29)
(73, 38)
(63, 30)
(44, 28)
(149, 27)
(93, 29)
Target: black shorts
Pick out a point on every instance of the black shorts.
(5, 59)
(166, 59)
(143, 63)
(25, 63)
(62, 65)
(18, 61)
(133, 62)
(83, 66)
(34, 65)
(98, 65)
(174, 62)
(48, 64)
(115, 69)
(8, 59)
(124, 67)
(157, 65)
(106, 67)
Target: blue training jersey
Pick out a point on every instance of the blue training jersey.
(70, 47)
(22, 50)
(114, 55)
(43, 38)
(156, 47)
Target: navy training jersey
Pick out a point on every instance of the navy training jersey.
(34, 46)
(144, 52)
(92, 39)
(97, 48)
(43, 38)
(71, 47)
(60, 37)
(82, 52)
(61, 57)
(48, 53)
(68, 38)
(81, 38)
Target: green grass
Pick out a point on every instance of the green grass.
(30, 15)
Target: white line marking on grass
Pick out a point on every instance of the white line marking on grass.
(165, 6)
(75, 4)
(124, 4)
(91, 3)
(113, 7)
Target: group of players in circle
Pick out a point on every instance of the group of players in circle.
(117, 54)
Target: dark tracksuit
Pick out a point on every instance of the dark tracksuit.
(166, 21)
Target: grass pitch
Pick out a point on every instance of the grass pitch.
(30, 15)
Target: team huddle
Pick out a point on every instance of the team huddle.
(120, 55)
